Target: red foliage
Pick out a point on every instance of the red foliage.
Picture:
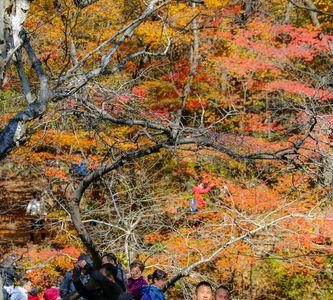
(295, 87)
(196, 104)
(139, 91)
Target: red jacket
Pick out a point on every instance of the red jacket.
(198, 192)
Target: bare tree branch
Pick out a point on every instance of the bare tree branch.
(186, 271)
(310, 8)
(13, 134)
(23, 77)
(83, 3)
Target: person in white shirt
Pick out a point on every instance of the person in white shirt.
(22, 291)
(37, 211)
(36, 207)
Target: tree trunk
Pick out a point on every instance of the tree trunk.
(12, 16)
(83, 234)
(314, 17)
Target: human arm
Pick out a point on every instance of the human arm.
(12, 276)
(202, 190)
(110, 289)
(134, 287)
(64, 286)
(80, 288)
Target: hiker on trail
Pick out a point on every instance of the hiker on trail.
(79, 170)
(204, 291)
(37, 212)
(155, 290)
(22, 290)
(110, 258)
(198, 191)
(67, 288)
(36, 206)
(106, 279)
(8, 275)
(222, 293)
(137, 280)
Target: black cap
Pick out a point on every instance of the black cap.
(86, 257)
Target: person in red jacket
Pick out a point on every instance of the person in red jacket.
(198, 191)
(52, 293)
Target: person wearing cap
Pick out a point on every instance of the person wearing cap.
(105, 277)
(67, 288)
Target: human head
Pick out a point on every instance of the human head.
(26, 284)
(86, 257)
(158, 278)
(109, 258)
(51, 294)
(136, 269)
(33, 291)
(109, 271)
(222, 293)
(204, 291)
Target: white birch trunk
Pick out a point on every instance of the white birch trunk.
(12, 16)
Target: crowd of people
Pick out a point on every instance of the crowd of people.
(107, 282)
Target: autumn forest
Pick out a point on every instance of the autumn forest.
(193, 135)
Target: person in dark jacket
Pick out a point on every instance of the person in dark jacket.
(136, 281)
(67, 288)
(8, 275)
(110, 258)
(79, 170)
(155, 290)
(108, 289)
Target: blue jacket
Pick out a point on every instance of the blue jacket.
(151, 292)
(67, 288)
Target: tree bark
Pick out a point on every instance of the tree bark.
(83, 234)
(12, 16)
(83, 3)
(314, 17)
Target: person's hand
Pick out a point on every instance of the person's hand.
(82, 263)
(77, 266)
